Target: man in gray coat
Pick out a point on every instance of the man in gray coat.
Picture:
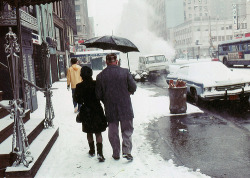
(114, 85)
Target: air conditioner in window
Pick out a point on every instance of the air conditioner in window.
(36, 39)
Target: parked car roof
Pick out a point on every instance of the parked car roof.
(210, 72)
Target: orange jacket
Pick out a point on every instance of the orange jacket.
(73, 75)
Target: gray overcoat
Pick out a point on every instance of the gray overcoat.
(113, 87)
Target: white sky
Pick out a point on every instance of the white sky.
(128, 19)
(107, 14)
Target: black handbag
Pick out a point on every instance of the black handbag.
(83, 115)
(78, 118)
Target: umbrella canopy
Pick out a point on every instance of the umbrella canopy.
(20, 3)
(111, 42)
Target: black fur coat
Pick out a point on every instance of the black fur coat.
(85, 95)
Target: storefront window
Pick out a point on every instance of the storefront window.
(58, 39)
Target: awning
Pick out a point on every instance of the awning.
(20, 3)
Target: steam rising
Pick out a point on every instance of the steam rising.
(134, 26)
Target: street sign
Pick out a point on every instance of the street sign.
(235, 17)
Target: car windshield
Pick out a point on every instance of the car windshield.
(156, 59)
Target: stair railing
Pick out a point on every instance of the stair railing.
(20, 143)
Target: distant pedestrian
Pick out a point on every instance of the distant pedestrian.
(73, 78)
(97, 123)
(197, 57)
(114, 85)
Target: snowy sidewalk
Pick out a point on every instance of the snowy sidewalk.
(69, 155)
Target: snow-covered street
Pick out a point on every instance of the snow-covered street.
(69, 155)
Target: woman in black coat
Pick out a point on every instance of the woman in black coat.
(91, 111)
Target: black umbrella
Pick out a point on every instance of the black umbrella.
(111, 43)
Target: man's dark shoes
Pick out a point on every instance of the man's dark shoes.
(116, 157)
(129, 157)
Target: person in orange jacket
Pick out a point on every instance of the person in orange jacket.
(73, 78)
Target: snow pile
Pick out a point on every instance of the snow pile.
(69, 155)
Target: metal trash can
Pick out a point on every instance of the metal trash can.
(178, 99)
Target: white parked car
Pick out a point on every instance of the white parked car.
(154, 64)
(212, 81)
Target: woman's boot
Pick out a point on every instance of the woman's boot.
(99, 152)
(92, 149)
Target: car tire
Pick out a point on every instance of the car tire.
(196, 98)
(245, 103)
(151, 77)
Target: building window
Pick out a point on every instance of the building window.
(54, 7)
(243, 25)
(58, 39)
(78, 17)
(77, 7)
(50, 26)
(79, 28)
(46, 21)
(41, 21)
(60, 8)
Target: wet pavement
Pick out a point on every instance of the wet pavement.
(201, 141)
(217, 142)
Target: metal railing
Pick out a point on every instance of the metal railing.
(20, 145)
